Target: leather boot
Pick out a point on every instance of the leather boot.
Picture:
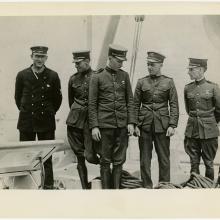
(83, 174)
(106, 176)
(195, 168)
(209, 173)
(116, 176)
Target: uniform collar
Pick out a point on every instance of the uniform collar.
(201, 81)
(155, 76)
(86, 71)
(38, 72)
(110, 70)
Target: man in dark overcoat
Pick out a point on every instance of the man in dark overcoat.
(38, 98)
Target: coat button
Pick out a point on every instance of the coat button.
(32, 113)
(32, 104)
(42, 104)
(42, 87)
(32, 96)
(42, 96)
(42, 113)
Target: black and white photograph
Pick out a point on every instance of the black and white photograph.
(110, 103)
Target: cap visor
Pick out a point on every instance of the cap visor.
(78, 60)
(192, 67)
(153, 61)
(42, 54)
(121, 58)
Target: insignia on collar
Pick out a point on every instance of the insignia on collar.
(48, 86)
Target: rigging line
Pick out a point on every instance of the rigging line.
(132, 58)
(137, 45)
(136, 48)
(134, 51)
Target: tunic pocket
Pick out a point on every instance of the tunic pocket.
(189, 127)
(73, 117)
(207, 99)
(190, 96)
(165, 118)
(210, 127)
(147, 94)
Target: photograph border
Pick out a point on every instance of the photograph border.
(110, 204)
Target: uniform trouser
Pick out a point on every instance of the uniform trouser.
(48, 166)
(80, 141)
(114, 143)
(162, 148)
(205, 148)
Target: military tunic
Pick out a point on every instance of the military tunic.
(156, 109)
(78, 132)
(111, 100)
(111, 109)
(202, 102)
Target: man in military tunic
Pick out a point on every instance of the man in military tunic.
(38, 98)
(79, 135)
(156, 107)
(202, 101)
(111, 115)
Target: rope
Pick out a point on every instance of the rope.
(197, 181)
(168, 185)
(130, 182)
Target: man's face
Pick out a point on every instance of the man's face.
(38, 60)
(195, 73)
(154, 68)
(82, 66)
(115, 63)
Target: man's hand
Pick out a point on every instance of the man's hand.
(137, 131)
(130, 129)
(170, 132)
(96, 135)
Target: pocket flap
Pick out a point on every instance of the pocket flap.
(164, 112)
(210, 120)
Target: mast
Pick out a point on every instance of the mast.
(138, 19)
(108, 39)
